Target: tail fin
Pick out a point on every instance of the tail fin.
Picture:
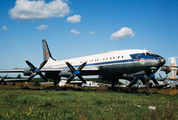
(46, 51)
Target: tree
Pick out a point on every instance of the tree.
(18, 76)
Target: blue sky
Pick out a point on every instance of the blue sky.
(77, 28)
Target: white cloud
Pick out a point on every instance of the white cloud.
(75, 32)
(122, 34)
(18, 66)
(42, 27)
(4, 28)
(91, 32)
(36, 10)
(74, 19)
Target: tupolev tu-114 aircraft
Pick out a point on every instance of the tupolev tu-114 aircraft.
(129, 64)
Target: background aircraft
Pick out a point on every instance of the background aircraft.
(111, 66)
(140, 84)
(4, 80)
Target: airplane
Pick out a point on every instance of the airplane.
(110, 66)
(4, 80)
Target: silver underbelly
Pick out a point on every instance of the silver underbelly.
(129, 67)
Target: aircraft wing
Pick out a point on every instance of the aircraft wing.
(12, 80)
(12, 70)
(104, 84)
(16, 70)
(43, 70)
(51, 70)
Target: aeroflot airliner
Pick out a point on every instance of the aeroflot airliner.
(111, 66)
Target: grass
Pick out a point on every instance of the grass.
(89, 104)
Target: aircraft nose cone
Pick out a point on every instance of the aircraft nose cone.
(162, 61)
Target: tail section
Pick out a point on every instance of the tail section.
(46, 51)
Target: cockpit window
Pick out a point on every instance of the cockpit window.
(149, 53)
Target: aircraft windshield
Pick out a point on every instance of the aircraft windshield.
(149, 53)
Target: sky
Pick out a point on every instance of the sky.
(75, 28)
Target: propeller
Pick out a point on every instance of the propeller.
(76, 72)
(145, 78)
(36, 71)
(147, 75)
(152, 76)
(2, 79)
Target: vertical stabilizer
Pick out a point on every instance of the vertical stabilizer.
(46, 51)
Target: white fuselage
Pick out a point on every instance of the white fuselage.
(113, 62)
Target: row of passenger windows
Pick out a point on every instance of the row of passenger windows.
(104, 59)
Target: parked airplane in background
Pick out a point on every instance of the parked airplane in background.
(139, 83)
(110, 66)
(4, 80)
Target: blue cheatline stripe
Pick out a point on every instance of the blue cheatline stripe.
(109, 62)
(103, 63)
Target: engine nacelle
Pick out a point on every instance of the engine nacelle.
(65, 74)
(27, 72)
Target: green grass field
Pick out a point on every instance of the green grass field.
(56, 105)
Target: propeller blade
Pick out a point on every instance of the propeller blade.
(5, 76)
(133, 82)
(71, 78)
(30, 65)
(43, 63)
(155, 71)
(143, 81)
(155, 81)
(1, 81)
(31, 77)
(81, 78)
(82, 66)
(41, 75)
(70, 67)
(153, 77)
